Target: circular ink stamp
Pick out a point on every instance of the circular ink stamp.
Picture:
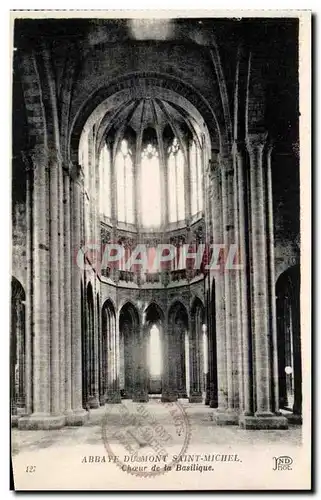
(145, 439)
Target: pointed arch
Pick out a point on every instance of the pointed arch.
(153, 310)
(130, 352)
(289, 340)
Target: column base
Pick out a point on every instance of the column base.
(294, 418)
(114, 398)
(213, 403)
(169, 397)
(263, 421)
(102, 400)
(195, 397)
(77, 417)
(125, 394)
(93, 402)
(225, 417)
(140, 397)
(41, 421)
(14, 420)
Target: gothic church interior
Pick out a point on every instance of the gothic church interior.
(181, 132)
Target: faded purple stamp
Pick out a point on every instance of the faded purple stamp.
(145, 442)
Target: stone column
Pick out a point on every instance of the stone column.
(54, 284)
(245, 327)
(271, 279)
(264, 417)
(140, 394)
(169, 389)
(102, 394)
(217, 223)
(79, 415)
(117, 397)
(110, 356)
(180, 348)
(229, 415)
(67, 292)
(61, 243)
(94, 400)
(187, 181)
(211, 380)
(209, 374)
(20, 339)
(45, 374)
(29, 312)
(236, 276)
(195, 358)
(114, 391)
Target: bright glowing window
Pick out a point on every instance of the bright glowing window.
(125, 183)
(150, 187)
(176, 186)
(196, 179)
(155, 352)
(105, 184)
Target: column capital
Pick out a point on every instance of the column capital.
(54, 156)
(256, 142)
(238, 147)
(37, 155)
(269, 147)
(67, 168)
(226, 162)
(213, 167)
(27, 159)
(76, 173)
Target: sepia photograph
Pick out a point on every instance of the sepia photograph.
(159, 317)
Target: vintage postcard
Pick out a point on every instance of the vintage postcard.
(160, 281)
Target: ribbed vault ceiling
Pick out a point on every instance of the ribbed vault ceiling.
(145, 112)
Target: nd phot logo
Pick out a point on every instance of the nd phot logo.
(282, 463)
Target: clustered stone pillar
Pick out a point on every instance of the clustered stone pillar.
(228, 414)
(215, 181)
(271, 277)
(49, 395)
(180, 357)
(195, 395)
(78, 414)
(261, 309)
(91, 350)
(113, 390)
(246, 343)
(140, 393)
(169, 387)
(211, 378)
(243, 252)
(67, 292)
(29, 287)
(41, 410)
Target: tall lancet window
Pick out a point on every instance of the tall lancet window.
(150, 187)
(105, 181)
(125, 183)
(196, 178)
(176, 187)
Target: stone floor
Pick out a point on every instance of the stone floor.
(203, 430)
(70, 446)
